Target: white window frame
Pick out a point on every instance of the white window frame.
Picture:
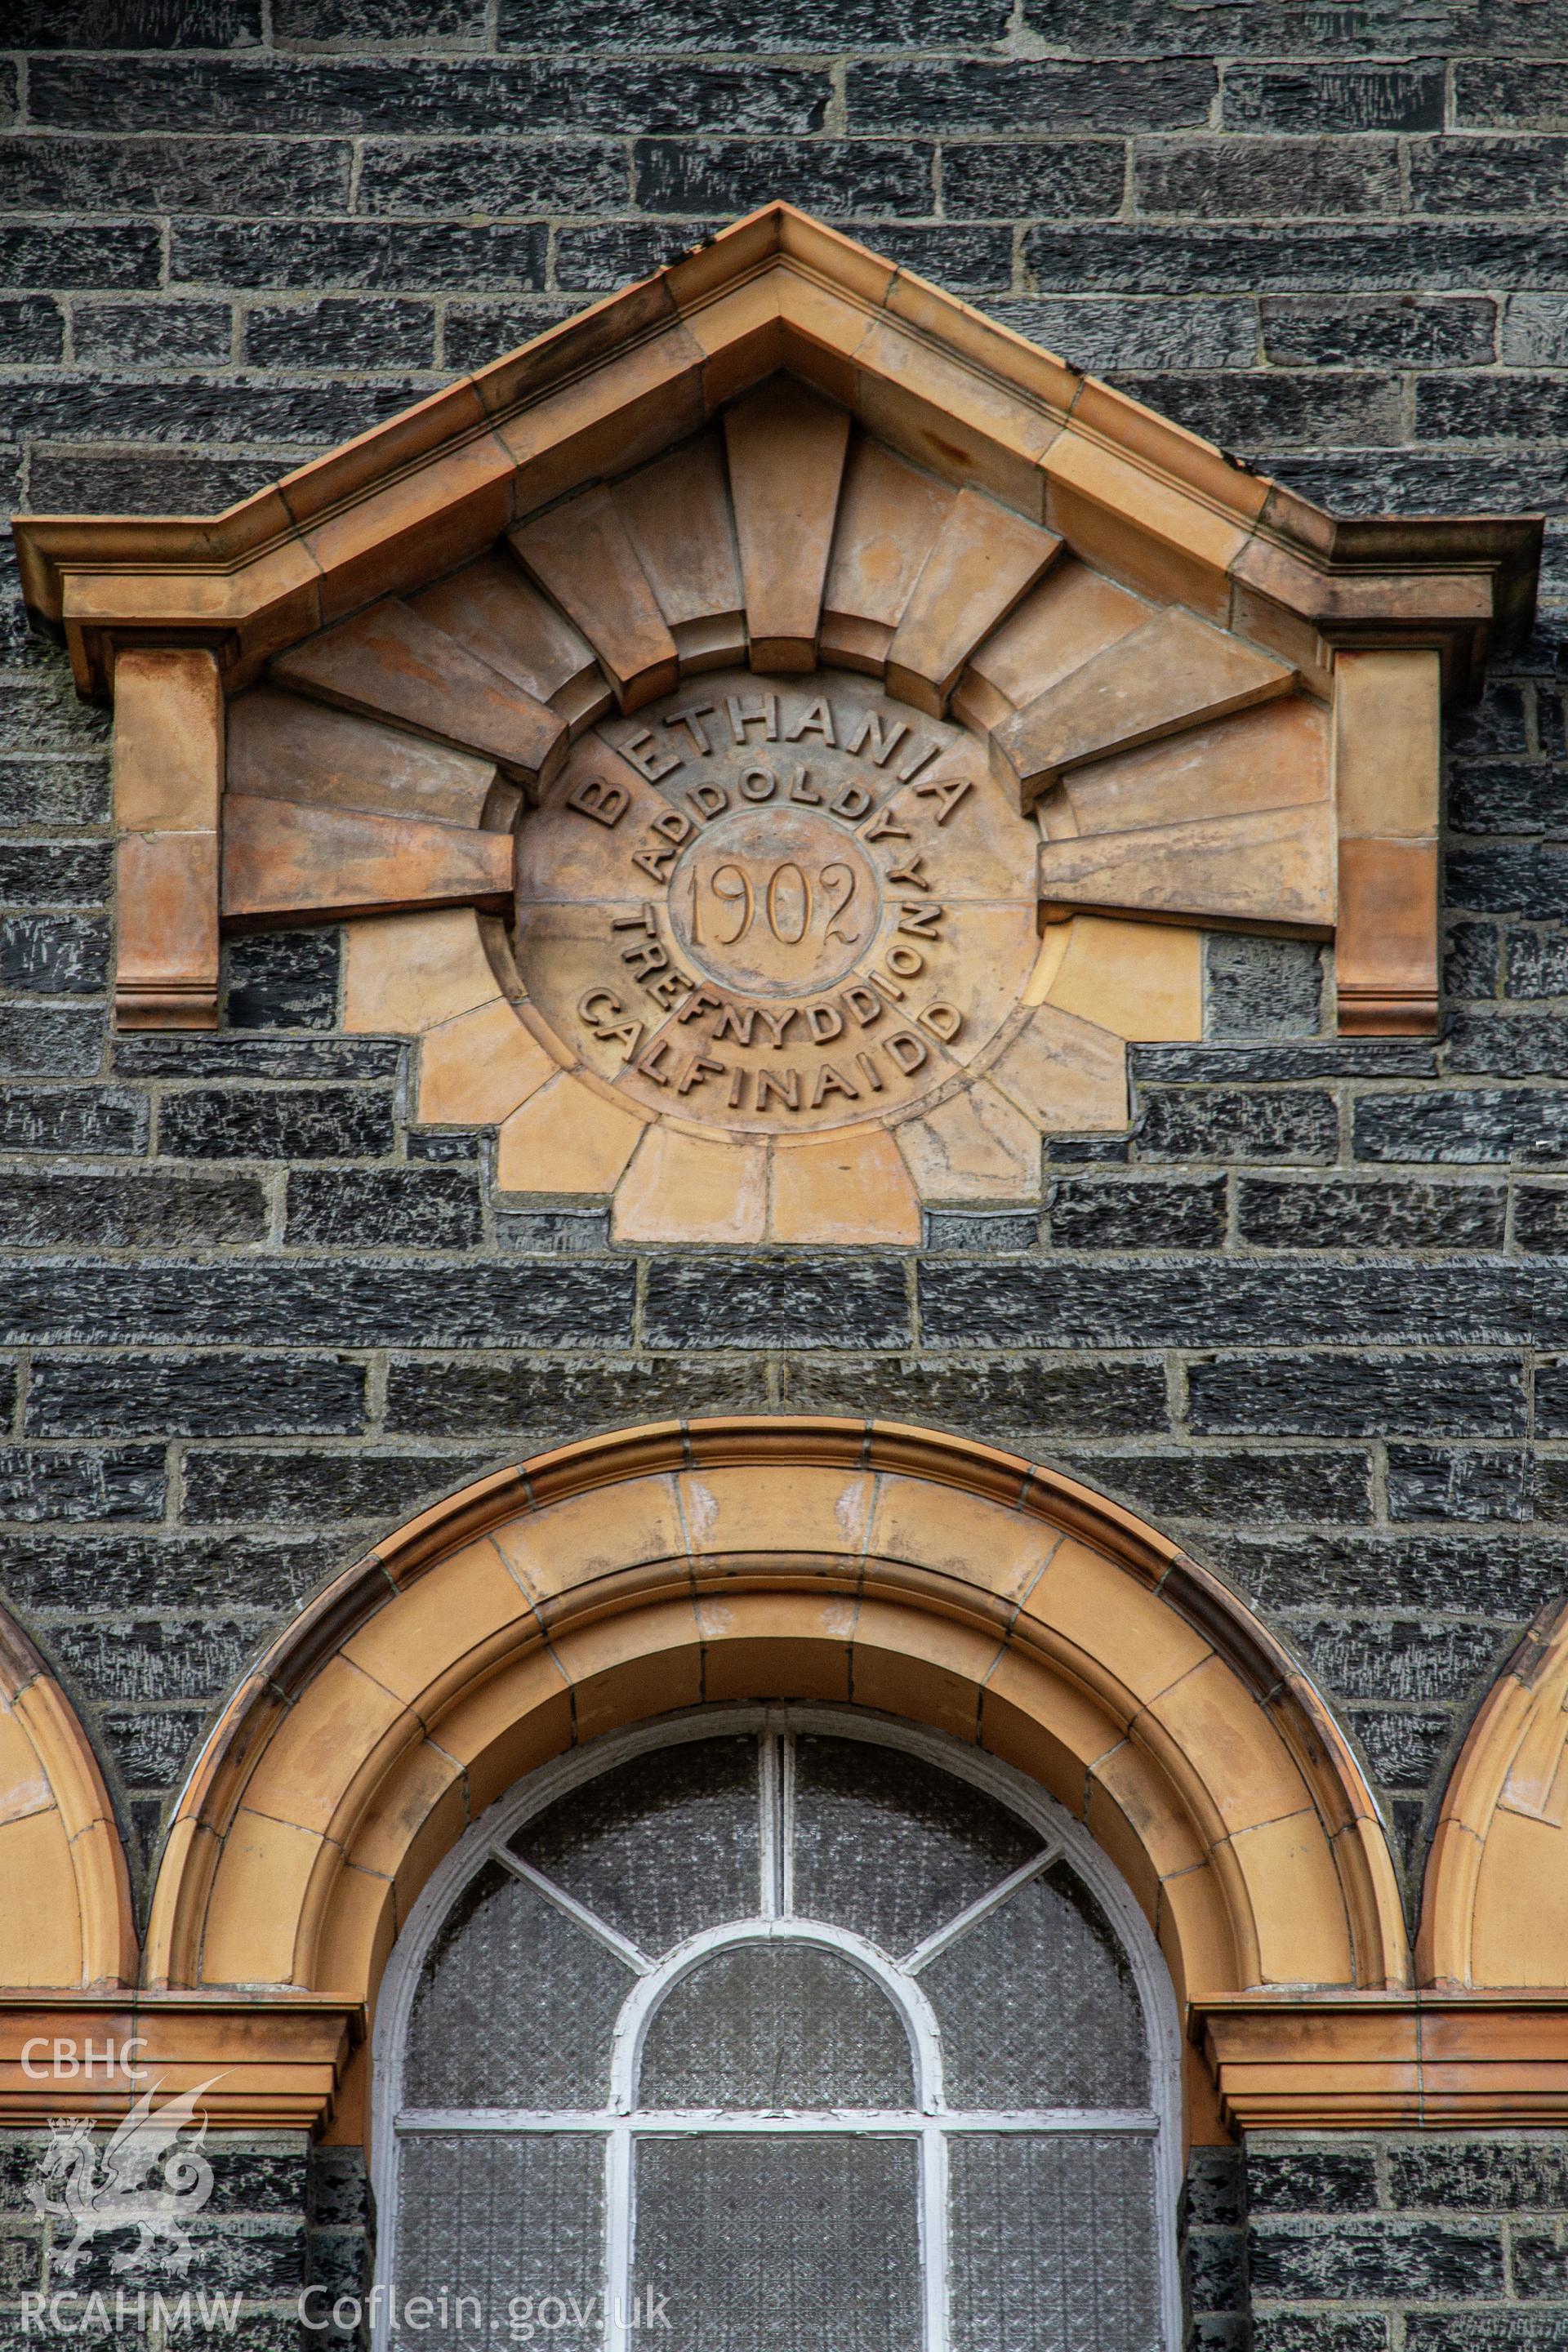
(930, 2123)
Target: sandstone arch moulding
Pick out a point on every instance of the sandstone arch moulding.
(663, 1568)
(67, 1923)
(79, 2033)
(775, 739)
(1495, 1904)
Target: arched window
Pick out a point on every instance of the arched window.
(778, 2031)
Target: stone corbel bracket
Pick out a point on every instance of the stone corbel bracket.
(345, 572)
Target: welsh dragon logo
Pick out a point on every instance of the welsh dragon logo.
(141, 2178)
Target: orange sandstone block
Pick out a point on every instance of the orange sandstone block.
(167, 974)
(984, 560)
(168, 739)
(581, 553)
(676, 514)
(889, 517)
(849, 1188)
(1067, 1074)
(497, 615)
(686, 1188)
(1388, 729)
(566, 1139)
(479, 1068)
(975, 1145)
(1072, 615)
(1174, 672)
(786, 448)
(279, 858)
(282, 748)
(391, 659)
(410, 973)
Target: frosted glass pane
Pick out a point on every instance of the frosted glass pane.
(776, 2025)
(492, 2219)
(660, 1846)
(1038, 2006)
(516, 2005)
(888, 1844)
(1053, 2244)
(781, 2245)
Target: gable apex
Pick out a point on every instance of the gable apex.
(969, 400)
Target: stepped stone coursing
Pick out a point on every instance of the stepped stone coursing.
(1302, 1307)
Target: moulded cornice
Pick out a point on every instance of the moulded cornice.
(1375, 2060)
(279, 2061)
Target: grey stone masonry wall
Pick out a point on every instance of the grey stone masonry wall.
(235, 231)
(1441, 2242)
(285, 2232)
(1309, 1315)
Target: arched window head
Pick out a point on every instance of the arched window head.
(778, 2031)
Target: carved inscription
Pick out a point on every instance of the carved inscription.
(761, 909)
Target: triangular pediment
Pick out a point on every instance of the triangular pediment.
(968, 400)
(776, 739)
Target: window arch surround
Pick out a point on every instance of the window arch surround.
(934, 2120)
(771, 1555)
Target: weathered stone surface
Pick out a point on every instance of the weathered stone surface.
(1215, 1125)
(1331, 238)
(96, 1119)
(1239, 1488)
(134, 1570)
(196, 1396)
(1260, 987)
(1472, 1482)
(1355, 1395)
(298, 1123)
(1317, 2178)
(1008, 1397)
(728, 1301)
(1117, 1213)
(283, 979)
(42, 1208)
(1349, 1212)
(383, 1208)
(1402, 1658)
(1219, 1302)
(373, 1302)
(1432, 1569)
(1320, 331)
(1422, 2260)
(41, 1482)
(547, 1401)
(322, 1489)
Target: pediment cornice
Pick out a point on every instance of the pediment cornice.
(647, 365)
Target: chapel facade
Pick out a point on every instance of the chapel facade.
(789, 1238)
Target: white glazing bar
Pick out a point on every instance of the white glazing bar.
(618, 2187)
(620, 1944)
(941, 1938)
(933, 2236)
(769, 1800)
(786, 1823)
(1079, 2121)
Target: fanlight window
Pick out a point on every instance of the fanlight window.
(778, 2036)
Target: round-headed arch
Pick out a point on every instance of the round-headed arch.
(1495, 1910)
(680, 1564)
(58, 1839)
